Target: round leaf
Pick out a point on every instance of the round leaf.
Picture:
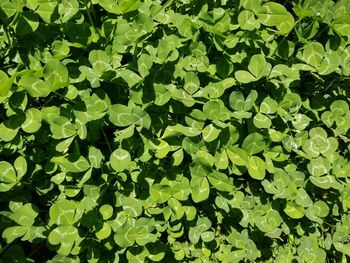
(120, 160)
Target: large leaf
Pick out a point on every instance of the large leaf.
(56, 75)
(274, 14)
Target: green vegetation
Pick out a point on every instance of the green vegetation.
(174, 131)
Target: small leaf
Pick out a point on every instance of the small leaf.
(210, 133)
(200, 189)
(261, 121)
(128, 5)
(8, 176)
(244, 76)
(220, 181)
(27, 23)
(33, 121)
(237, 100)
(11, 233)
(256, 168)
(268, 106)
(274, 14)
(144, 64)
(254, 143)
(106, 211)
(63, 212)
(257, 66)
(211, 110)
(120, 115)
(191, 82)
(20, 166)
(120, 160)
(56, 75)
(247, 21)
(5, 83)
(25, 215)
(95, 157)
(294, 211)
(104, 232)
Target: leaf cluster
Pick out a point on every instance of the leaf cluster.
(174, 131)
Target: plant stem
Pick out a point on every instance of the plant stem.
(63, 97)
(91, 20)
(106, 139)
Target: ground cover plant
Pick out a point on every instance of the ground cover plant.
(174, 131)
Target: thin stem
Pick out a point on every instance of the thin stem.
(63, 97)
(93, 12)
(35, 250)
(7, 35)
(91, 20)
(106, 139)
(14, 19)
(167, 3)
(4, 248)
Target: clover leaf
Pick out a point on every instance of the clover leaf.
(319, 143)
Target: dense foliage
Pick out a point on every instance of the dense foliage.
(177, 131)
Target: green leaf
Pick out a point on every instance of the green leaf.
(128, 5)
(130, 77)
(210, 133)
(20, 165)
(294, 211)
(144, 64)
(200, 188)
(99, 61)
(274, 14)
(56, 75)
(256, 168)
(104, 232)
(46, 9)
(110, 6)
(160, 193)
(250, 4)
(237, 100)
(14, 232)
(254, 143)
(120, 115)
(162, 94)
(268, 106)
(25, 215)
(141, 118)
(120, 160)
(7, 134)
(211, 110)
(319, 166)
(8, 177)
(106, 211)
(302, 198)
(244, 76)
(34, 86)
(67, 9)
(220, 181)
(221, 160)
(261, 121)
(5, 83)
(247, 20)
(33, 121)
(27, 23)
(250, 100)
(64, 235)
(61, 128)
(64, 213)
(95, 157)
(257, 66)
(191, 82)
(313, 54)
